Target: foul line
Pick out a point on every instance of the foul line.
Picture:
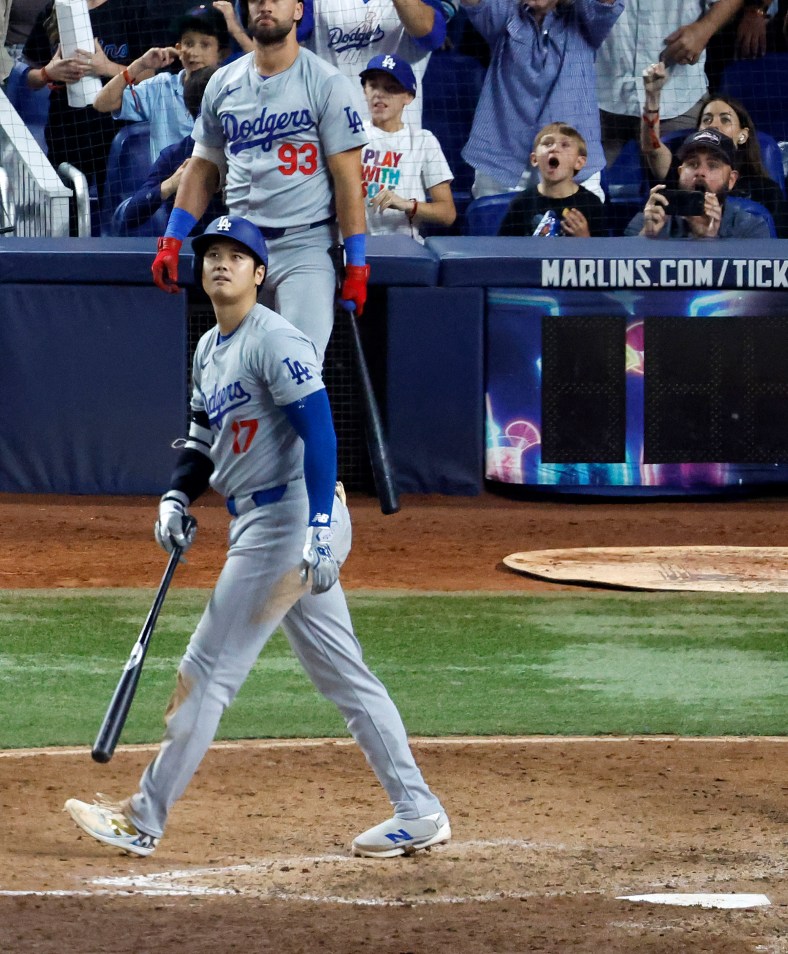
(442, 741)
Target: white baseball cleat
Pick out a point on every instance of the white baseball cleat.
(402, 836)
(108, 824)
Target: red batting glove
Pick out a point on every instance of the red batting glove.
(165, 265)
(353, 295)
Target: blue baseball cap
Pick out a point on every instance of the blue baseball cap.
(393, 65)
(234, 227)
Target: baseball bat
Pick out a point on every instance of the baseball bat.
(382, 471)
(118, 709)
(373, 425)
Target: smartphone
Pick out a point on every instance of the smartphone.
(681, 202)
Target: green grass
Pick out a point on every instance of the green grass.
(557, 663)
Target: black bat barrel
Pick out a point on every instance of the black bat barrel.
(118, 709)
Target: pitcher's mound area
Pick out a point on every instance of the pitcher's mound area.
(707, 569)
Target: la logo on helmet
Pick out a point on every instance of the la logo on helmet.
(224, 224)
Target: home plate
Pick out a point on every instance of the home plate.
(704, 569)
(703, 900)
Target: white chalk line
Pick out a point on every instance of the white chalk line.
(170, 883)
(421, 742)
(176, 883)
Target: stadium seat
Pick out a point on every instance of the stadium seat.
(783, 147)
(625, 185)
(484, 215)
(758, 84)
(127, 168)
(156, 224)
(452, 84)
(754, 208)
(625, 181)
(31, 104)
(772, 159)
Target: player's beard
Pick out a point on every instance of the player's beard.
(271, 34)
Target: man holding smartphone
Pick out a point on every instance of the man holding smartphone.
(697, 209)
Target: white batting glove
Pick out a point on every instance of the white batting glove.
(319, 559)
(171, 528)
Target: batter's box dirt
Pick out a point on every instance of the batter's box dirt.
(519, 869)
(548, 834)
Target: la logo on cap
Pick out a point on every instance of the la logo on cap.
(389, 62)
(224, 224)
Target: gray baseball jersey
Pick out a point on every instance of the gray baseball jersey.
(242, 382)
(276, 133)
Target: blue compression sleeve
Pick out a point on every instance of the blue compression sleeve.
(435, 38)
(311, 420)
(180, 224)
(307, 22)
(356, 249)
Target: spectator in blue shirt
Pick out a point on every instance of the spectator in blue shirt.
(165, 174)
(541, 71)
(137, 94)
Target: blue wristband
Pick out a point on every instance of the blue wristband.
(434, 39)
(180, 224)
(356, 249)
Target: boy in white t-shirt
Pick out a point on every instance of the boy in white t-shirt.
(402, 166)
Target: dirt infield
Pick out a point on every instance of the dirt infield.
(547, 833)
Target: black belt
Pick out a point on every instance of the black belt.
(293, 229)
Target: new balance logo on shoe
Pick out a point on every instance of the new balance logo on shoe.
(397, 836)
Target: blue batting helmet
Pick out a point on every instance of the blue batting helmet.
(234, 227)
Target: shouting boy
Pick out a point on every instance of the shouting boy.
(556, 205)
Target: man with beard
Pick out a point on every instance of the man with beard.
(708, 160)
(279, 130)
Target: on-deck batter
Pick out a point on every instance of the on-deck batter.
(281, 128)
(262, 436)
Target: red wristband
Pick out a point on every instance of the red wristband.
(128, 77)
(651, 124)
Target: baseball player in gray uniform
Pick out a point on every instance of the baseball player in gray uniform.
(279, 128)
(261, 435)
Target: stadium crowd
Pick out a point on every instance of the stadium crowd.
(565, 118)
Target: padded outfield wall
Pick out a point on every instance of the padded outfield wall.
(602, 365)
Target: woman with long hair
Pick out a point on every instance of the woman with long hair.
(726, 115)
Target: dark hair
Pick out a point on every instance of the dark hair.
(750, 162)
(51, 28)
(206, 20)
(194, 87)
